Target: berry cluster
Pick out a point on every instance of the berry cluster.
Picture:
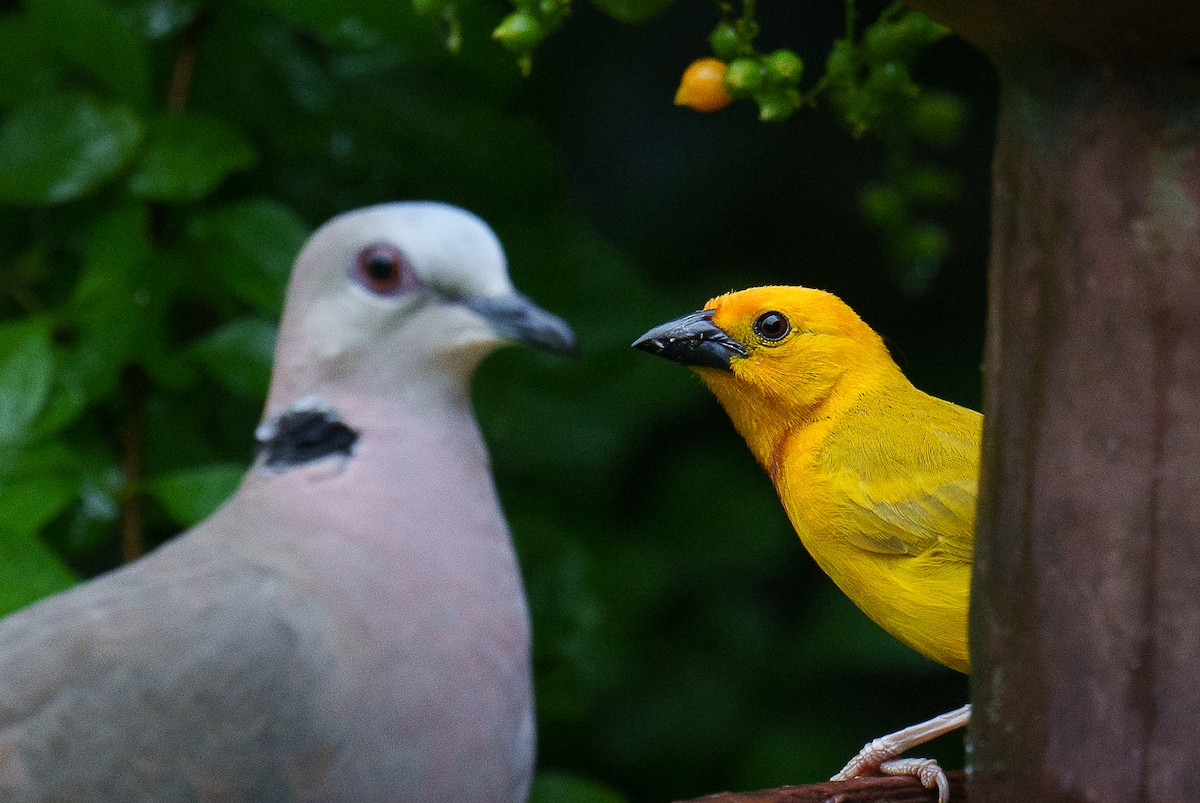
(738, 71)
(868, 80)
(530, 23)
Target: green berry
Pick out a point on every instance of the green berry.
(889, 79)
(520, 32)
(883, 41)
(744, 76)
(932, 185)
(924, 242)
(883, 206)
(785, 66)
(552, 13)
(920, 30)
(938, 117)
(777, 105)
(859, 109)
(842, 62)
(725, 41)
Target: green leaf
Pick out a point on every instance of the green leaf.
(190, 496)
(160, 19)
(92, 35)
(68, 399)
(109, 308)
(52, 459)
(30, 504)
(64, 146)
(252, 245)
(93, 521)
(29, 570)
(26, 371)
(239, 354)
(632, 11)
(357, 23)
(187, 156)
(25, 64)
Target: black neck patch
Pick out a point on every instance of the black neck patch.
(302, 436)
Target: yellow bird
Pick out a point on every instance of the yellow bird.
(878, 478)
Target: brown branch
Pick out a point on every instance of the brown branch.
(134, 379)
(184, 69)
(860, 790)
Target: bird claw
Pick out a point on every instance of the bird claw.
(876, 759)
(879, 756)
(926, 771)
(868, 761)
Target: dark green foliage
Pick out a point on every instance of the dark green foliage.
(163, 161)
(871, 83)
(632, 10)
(63, 146)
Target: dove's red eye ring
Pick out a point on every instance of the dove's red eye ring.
(383, 269)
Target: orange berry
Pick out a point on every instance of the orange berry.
(702, 87)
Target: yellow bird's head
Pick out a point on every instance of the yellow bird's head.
(774, 355)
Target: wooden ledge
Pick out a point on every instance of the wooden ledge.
(860, 790)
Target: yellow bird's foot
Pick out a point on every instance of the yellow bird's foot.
(879, 755)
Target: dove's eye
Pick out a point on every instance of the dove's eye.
(383, 269)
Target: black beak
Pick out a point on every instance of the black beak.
(515, 317)
(692, 340)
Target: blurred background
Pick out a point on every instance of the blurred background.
(163, 160)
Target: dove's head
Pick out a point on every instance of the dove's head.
(400, 302)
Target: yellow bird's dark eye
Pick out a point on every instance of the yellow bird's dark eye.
(772, 326)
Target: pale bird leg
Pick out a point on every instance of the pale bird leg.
(879, 755)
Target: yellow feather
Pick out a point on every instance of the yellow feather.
(878, 478)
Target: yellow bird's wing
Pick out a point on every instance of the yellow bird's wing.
(941, 518)
(913, 489)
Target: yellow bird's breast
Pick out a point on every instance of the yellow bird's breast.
(890, 517)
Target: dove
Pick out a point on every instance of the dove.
(351, 624)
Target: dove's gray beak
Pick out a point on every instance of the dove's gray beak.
(515, 317)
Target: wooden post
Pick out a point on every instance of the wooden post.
(1085, 618)
(1086, 612)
